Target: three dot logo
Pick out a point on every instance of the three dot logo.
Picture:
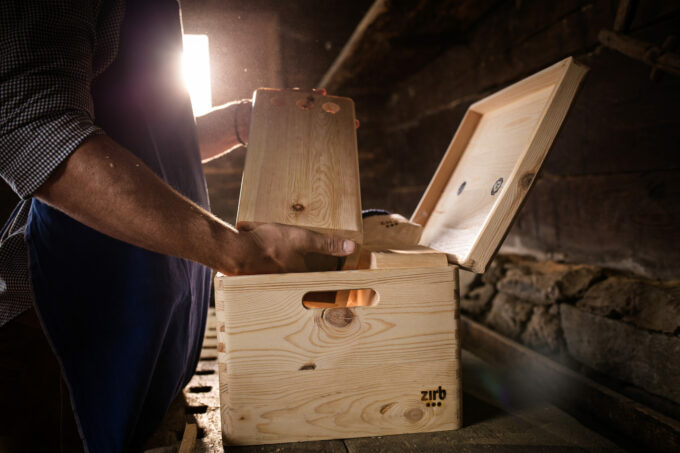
(433, 398)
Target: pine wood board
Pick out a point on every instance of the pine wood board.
(405, 257)
(188, 438)
(492, 163)
(391, 230)
(302, 163)
(288, 373)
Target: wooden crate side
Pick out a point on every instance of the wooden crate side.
(269, 330)
(295, 374)
(221, 341)
(343, 403)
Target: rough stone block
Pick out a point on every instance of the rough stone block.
(497, 269)
(650, 305)
(543, 332)
(545, 282)
(508, 315)
(646, 359)
(476, 302)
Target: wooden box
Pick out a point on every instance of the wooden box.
(298, 362)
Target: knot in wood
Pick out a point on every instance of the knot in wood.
(338, 317)
(331, 107)
(297, 207)
(526, 181)
(305, 104)
(413, 415)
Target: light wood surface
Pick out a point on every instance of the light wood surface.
(491, 164)
(377, 257)
(392, 230)
(406, 257)
(302, 164)
(188, 438)
(288, 373)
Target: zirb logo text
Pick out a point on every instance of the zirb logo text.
(433, 398)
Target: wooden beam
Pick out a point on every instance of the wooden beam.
(573, 391)
(624, 15)
(642, 51)
(340, 71)
(188, 439)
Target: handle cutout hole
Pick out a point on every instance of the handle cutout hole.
(363, 297)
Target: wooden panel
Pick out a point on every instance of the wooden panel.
(492, 163)
(302, 164)
(376, 257)
(391, 230)
(292, 374)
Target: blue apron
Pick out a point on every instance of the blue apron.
(127, 324)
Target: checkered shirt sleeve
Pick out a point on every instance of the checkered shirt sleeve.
(50, 51)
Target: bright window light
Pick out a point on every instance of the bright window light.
(196, 68)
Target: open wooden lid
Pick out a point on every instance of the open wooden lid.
(492, 163)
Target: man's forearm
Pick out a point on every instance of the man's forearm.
(109, 189)
(217, 129)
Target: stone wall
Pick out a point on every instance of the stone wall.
(619, 328)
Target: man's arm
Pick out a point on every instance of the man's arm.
(217, 129)
(106, 187)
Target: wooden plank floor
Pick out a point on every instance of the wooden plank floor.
(500, 414)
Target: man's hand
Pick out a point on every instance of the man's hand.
(269, 248)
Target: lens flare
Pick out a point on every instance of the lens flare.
(196, 71)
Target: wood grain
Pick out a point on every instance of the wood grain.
(377, 257)
(406, 257)
(391, 230)
(492, 163)
(289, 374)
(302, 164)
